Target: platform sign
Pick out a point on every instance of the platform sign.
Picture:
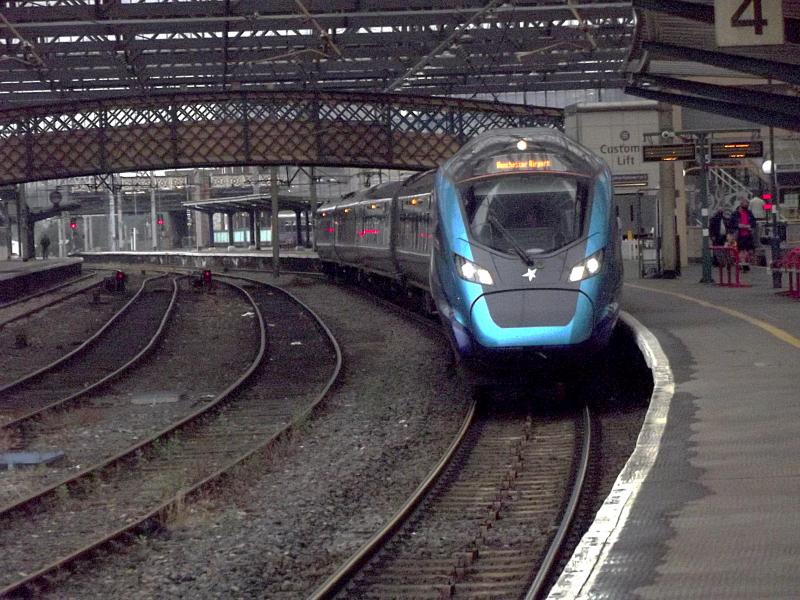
(630, 180)
(668, 152)
(748, 22)
(737, 149)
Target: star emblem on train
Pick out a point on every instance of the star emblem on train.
(530, 274)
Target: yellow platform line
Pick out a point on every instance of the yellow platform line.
(779, 333)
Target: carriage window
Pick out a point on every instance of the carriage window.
(415, 223)
(375, 230)
(539, 212)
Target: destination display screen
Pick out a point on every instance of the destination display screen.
(525, 162)
(668, 152)
(737, 149)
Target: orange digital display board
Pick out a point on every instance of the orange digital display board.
(668, 152)
(737, 149)
(531, 163)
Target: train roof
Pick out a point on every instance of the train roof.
(483, 149)
(415, 184)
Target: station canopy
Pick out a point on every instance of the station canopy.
(58, 50)
(734, 57)
(247, 203)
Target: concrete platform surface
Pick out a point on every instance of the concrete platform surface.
(10, 269)
(708, 506)
(18, 278)
(300, 259)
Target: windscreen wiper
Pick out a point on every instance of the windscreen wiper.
(507, 237)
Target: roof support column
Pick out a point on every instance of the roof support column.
(112, 220)
(313, 206)
(153, 217)
(230, 228)
(298, 215)
(276, 241)
(211, 230)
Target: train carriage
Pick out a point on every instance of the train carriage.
(514, 237)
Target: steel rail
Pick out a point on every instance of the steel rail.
(146, 522)
(345, 572)
(86, 343)
(48, 291)
(337, 580)
(545, 569)
(41, 307)
(143, 444)
(61, 403)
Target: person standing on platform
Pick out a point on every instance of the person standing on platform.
(45, 242)
(743, 222)
(718, 227)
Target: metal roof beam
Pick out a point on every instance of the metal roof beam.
(176, 13)
(703, 13)
(565, 49)
(351, 41)
(757, 66)
(180, 73)
(745, 113)
(777, 102)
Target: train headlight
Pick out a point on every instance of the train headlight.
(587, 267)
(471, 272)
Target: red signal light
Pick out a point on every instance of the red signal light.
(73, 225)
(120, 275)
(207, 274)
(767, 206)
(160, 221)
(766, 196)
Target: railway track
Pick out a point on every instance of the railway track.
(24, 306)
(491, 525)
(128, 336)
(137, 489)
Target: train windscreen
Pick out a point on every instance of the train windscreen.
(534, 212)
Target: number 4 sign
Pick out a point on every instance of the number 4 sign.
(748, 22)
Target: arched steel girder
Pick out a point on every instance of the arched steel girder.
(236, 128)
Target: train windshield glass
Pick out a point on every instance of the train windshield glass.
(536, 212)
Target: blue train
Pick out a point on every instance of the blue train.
(514, 240)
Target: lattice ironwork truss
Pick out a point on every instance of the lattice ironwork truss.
(56, 50)
(256, 128)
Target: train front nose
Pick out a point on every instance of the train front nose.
(532, 317)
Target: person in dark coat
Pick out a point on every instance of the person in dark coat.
(718, 227)
(743, 223)
(45, 242)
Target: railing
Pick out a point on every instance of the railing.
(790, 264)
(728, 263)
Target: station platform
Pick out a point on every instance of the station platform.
(299, 259)
(708, 506)
(19, 278)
